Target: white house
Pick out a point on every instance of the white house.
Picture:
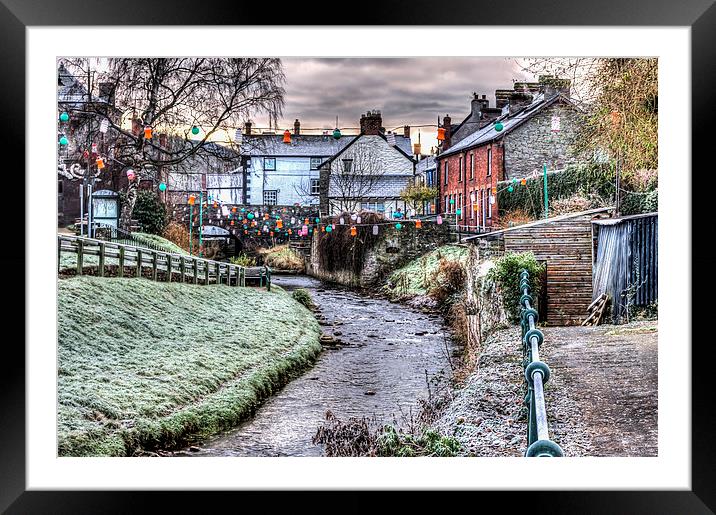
(286, 173)
(370, 172)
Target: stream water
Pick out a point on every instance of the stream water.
(388, 353)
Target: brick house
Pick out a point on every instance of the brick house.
(539, 126)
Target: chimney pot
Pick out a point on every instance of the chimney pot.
(371, 123)
(297, 127)
(247, 128)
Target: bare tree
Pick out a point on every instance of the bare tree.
(171, 96)
(355, 175)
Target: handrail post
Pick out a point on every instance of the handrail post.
(206, 273)
(169, 268)
(154, 265)
(80, 256)
(120, 270)
(195, 263)
(139, 263)
(101, 259)
(182, 269)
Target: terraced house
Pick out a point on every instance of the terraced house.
(537, 126)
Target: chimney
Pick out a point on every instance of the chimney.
(371, 123)
(247, 128)
(478, 106)
(406, 131)
(448, 129)
(297, 127)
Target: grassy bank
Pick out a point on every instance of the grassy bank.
(281, 257)
(143, 364)
(419, 276)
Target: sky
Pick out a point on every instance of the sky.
(408, 91)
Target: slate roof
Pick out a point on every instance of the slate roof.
(425, 164)
(509, 122)
(304, 145)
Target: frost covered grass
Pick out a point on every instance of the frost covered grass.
(417, 277)
(144, 364)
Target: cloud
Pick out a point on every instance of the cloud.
(408, 91)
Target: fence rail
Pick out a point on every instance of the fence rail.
(536, 375)
(132, 261)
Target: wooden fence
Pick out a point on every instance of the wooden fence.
(133, 261)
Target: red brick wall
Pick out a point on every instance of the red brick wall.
(471, 216)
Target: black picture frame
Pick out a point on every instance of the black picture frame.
(699, 15)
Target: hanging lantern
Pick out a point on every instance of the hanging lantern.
(100, 163)
(336, 133)
(247, 232)
(354, 217)
(499, 126)
(510, 189)
(130, 174)
(279, 223)
(305, 221)
(458, 211)
(103, 126)
(333, 226)
(329, 228)
(452, 201)
(494, 190)
(271, 233)
(290, 231)
(523, 181)
(418, 223)
(398, 226)
(358, 219)
(63, 141)
(192, 199)
(147, 132)
(441, 134)
(232, 222)
(342, 221)
(250, 216)
(286, 136)
(195, 130)
(318, 219)
(233, 209)
(162, 186)
(64, 116)
(216, 204)
(375, 230)
(354, 231)
(439, 220)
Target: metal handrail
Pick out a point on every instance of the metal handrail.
(536, 375)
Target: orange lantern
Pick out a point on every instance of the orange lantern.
(271, 233)
(290, 231)
(147, 132)
(232, 222)
(233, 209)
(100, 163)
(323, 229)
(523, 181)
(494, 190)
(418, 223)
(441, 134)
(286, 136)
(215, 204)
(192, 199)
(305, 222)
(353, 230)
(246, 231)
(279, 223)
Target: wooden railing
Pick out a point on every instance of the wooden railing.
(134, 260)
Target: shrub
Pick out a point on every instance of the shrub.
(179, 235)
(150, 212)
(506, 275)
(282, 257)
(447, 280)
(302, 296)
(243, 259)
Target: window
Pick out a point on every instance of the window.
(269, 163)
(489, 161)
(460, 205)
(446, 173)
(315, 187)
(472, 166)
(378, 207)
(489, 204)
(347, 165)
(459, 169)
(315, 162)
(270, 197)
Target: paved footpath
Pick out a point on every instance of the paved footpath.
(602, 398)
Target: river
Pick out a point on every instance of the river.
(379, 371)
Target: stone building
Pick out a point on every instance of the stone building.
(370, 172)
(538, 125)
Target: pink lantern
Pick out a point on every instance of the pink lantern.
(440, 220)
(130, 174)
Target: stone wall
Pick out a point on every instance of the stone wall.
(530, 146)
(393, 249)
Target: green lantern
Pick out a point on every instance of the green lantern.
(318, 219)
(329, 228)
(64, 116)
(398, 226)
(499, 126)
(250, 216)
(162, 186)
(510, 189)
(63, 141)
(195, 130)
(452, 201)
(458, 211)
(337, 133)
(514, 181)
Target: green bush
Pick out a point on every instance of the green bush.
(635, 203)
(243, 259)
(506, 275)
(150, 212)
(429, 443)
(303, 297)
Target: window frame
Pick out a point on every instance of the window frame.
(446, 171)
(315, 182)
(459, 169)
(275, 200)
(472, 165)
(320, 160)
(489, 162)
(266, 167)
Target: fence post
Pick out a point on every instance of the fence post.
(182, 269)
(169, 268)
(80, 256)
(268, 279)
(101, 259)
(206, 273)
(196, 271)
(218, 273)
(154, 265)
(139, 263)
(120, 270)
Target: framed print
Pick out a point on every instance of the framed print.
(281, 264)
